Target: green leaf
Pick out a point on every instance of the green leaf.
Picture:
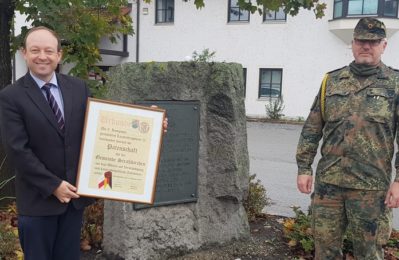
(199, 4)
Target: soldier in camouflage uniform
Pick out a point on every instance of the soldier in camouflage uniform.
(357, 117)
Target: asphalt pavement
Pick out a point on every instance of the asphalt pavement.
(272, 150)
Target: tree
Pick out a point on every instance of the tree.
(81, 24)
(291, 7)
(6, 14)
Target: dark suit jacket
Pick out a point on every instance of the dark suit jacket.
(42, 155)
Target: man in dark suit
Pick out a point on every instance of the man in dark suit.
(42, 117)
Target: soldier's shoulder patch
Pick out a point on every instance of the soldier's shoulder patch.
(336, 70)
(396, 70)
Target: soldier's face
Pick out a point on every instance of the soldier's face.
(368, 52)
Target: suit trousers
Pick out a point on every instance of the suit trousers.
(51, 237)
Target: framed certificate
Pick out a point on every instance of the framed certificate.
(120, 151)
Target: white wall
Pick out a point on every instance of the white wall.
(302, 46)
(20, 68)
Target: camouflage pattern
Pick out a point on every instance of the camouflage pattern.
(369, 29)
(358, 131)
(362, 213)
(352, 177)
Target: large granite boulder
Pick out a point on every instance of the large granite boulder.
(223, 165)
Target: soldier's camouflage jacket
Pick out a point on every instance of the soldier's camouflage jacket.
(358, 130)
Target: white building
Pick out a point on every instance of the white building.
(280, 55)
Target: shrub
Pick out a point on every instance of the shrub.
(92, 230)
(299, 234)
(3, 183)
(9, 243)
(392, 247)
(301, 119)
(274, 108)
(298, 231)
(204, 56)
(256, 200)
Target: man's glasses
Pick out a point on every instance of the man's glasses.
(371, 43)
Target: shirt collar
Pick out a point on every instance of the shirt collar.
(40, 82)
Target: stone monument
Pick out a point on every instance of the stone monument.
(217, 216)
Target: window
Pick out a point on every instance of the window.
(236, 13)
(165, 11)
(362, 7)
(270, 82)
(380, 8)
(391, 8)
(337, 8)
(279, 15)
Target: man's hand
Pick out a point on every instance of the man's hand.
(164, 123)
(304, 183)
(65, 192)
(392, 198)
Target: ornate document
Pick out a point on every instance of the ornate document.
(120, 151)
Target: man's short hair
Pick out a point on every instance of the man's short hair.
(43, 28)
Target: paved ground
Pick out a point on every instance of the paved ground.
(272, 158)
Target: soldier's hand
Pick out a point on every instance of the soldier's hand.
(304, 183)
(65, 192)
(392, 198)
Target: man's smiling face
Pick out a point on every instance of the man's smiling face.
(41, 54)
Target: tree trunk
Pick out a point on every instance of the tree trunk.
(7, 8)
(6, 15)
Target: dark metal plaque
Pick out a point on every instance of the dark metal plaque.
(178, 167)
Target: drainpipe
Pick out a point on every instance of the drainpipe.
(138, 31)
(14, 70)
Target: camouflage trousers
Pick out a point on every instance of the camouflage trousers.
(360, 214)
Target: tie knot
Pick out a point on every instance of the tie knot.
(47, 86)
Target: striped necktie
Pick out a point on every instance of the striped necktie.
(54, 106)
